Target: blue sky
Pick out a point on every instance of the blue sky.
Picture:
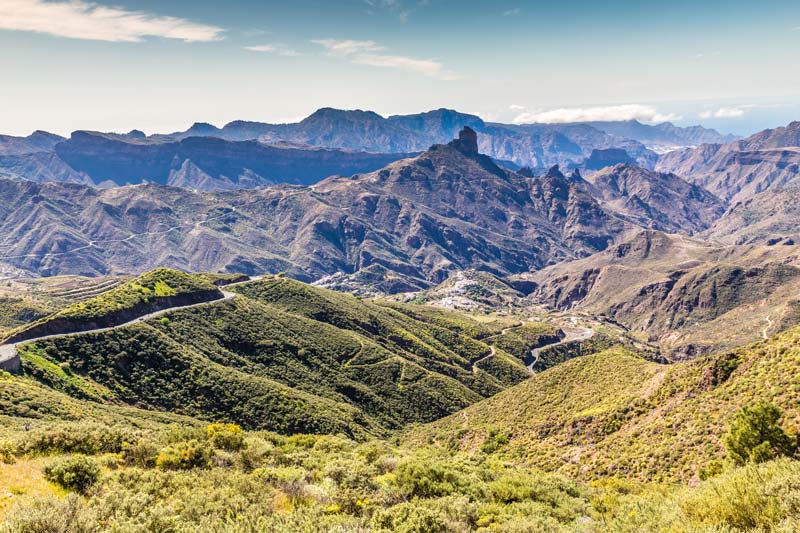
(161, 65)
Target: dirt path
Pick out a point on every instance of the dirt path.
(764, 331)
(571, 335)
(8, 352)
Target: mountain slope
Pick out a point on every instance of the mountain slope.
(447, 209)
(285, 356)
(658, 200)
(736, 171)
(690, 296)
(614, 414)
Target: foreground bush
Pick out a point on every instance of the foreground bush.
(756, 436)
(76, 472)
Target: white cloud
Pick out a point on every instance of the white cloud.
(77, 19)
(644, 113)
(510, 12)
(346, 47)
(366, 53)
(724, 112)
(277, 49)
(517, 108)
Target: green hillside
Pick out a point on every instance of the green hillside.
(613, 413)
(288, 357)
(147, 293)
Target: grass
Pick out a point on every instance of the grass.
(21, 482)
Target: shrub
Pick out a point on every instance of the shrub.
(88, 439)
(756, 436)
(7, 452)
(495, 440)
(184, 456)
(226, 436)
(51, 514)
(142, 454)
(426, 479)
(76, 472)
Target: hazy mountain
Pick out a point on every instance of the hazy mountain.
(738, 170)
(207, 163)
(663, 137)
(536, 145)
(38, 141)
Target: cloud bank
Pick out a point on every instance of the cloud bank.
(370, 53)
(277, 49)
(724, 112)
(644, 113)
(77, 19)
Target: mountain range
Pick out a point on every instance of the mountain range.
(417, 220)
(329, 142)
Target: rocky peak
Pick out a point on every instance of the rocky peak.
(554, 172)
(467, 141)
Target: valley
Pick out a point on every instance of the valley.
(446, 341)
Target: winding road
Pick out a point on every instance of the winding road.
(9, 359)
(571, 335)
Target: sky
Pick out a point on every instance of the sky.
(161, 65)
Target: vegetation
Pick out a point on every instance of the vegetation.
(613, 413)
(288, 357)
(76, 473)
(147, 293)
(324, 482)
(756, 436)
(278, 410)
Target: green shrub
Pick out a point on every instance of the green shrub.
(143, 453)
(53, 515)
(226, 436)
(755, 435)
(76, 472)
(495, 440)
(426, 479)
(88, 439)
(184, 456)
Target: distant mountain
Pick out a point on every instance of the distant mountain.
(205, 163)
(420, 218)
(654, 199)
(537, 145)
(38, 141)
(662, 137)
(738, 170)
(404, 227)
